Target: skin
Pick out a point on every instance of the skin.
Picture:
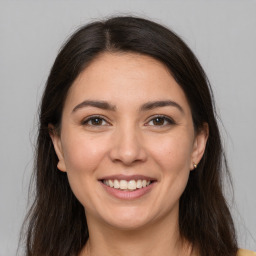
(129, 141)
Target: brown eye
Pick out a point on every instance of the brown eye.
(160, 121)
(95, 121)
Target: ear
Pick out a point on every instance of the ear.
(56, 140)
(199, 145)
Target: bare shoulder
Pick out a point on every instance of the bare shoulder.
(243, 252)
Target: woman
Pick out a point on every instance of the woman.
(129, 156)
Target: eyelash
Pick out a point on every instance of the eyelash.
(169, 120)
(87, 120)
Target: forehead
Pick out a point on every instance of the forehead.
(125, 78)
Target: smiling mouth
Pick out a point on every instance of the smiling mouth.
(125, 185)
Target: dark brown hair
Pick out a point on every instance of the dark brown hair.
(56, 222)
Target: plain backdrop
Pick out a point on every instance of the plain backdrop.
(221, 33)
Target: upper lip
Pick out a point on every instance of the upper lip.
(127, 177)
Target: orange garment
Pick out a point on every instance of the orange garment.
(243, 252)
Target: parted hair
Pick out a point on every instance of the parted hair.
(56, 222)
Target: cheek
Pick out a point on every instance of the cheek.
(82, 157)
(173, 152)
(82, 154)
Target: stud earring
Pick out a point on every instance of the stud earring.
(195, 165)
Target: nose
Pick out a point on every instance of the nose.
(127, 146)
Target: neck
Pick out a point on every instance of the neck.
(155, 239)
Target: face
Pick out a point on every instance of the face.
(127, 141)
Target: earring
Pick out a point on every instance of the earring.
(195, 165)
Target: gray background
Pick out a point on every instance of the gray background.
(221, 33)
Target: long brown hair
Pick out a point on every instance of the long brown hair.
(56, 223)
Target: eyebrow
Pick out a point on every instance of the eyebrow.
(147, 106)
(161, 103)
(97, 104)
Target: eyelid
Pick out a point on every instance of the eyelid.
(166, 118)
(89, 118)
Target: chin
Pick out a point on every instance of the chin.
(128, 219)
(128, 225)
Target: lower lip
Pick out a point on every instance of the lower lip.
(128, 195)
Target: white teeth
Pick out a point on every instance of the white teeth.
(124, 184)
(111, 183)
(139, 184)
(132, 185)
(116, 184)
